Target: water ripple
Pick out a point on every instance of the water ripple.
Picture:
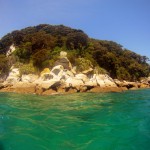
(75, 122)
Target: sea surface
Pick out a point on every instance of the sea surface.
(84, 121)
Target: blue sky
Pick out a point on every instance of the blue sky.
(126, 22)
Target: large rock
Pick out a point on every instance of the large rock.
(89, 72)
(145, 80)
(46, 87)
(64, 62)
(21, 87)
(66, 74)
(130, 85)
(73, 82)
(100, 80)
(127, 84)
(14, 76)
(54, 84)
(104, 80)
(118, 83)
(92, 81)
(142, 85)
(45, 74)
(57, 72)
(82, 77)
(74, 70)
(109, 83)
(63, 54)
(29, 78)
(45, 71)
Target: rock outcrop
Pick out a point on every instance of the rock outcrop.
(11, 49)
(14, 76)
(62, 78)
(63, 61)
(30, 78)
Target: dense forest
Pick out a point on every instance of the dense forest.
(39, 47)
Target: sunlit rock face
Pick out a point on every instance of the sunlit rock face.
(63, 61)
(63, 54)
(45, 74)
(11, 49)
(29, 78)
(14, 76)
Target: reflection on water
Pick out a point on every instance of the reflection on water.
(75, 122)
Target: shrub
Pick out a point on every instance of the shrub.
(123, 74)
(83, 64)
(40, 59)
(99, 70)
(4, 67)
(25, 68)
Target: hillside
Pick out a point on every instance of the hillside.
(39, 47)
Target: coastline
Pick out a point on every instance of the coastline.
(32, 89)
(64, 79)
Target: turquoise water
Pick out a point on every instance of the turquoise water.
(109, 121)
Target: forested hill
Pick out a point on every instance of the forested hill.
(39, 47)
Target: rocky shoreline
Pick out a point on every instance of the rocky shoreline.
(31, 88)
(63, 79)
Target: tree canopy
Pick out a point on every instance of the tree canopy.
(41, 45)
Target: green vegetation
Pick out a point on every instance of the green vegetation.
(83, 64)
(4, 66)
(42, 44)
(25, 68)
